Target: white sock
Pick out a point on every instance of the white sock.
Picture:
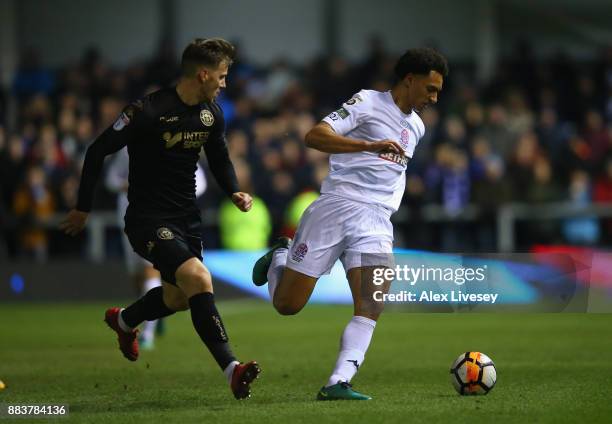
(275, 272)
(148, 327)
(229, 370)
(122, 323)
(353, 346)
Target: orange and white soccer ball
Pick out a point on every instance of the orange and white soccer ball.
(473, 373)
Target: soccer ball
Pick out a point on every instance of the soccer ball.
(473, 373)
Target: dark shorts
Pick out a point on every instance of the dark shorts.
(165, 242)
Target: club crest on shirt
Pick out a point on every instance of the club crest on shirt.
(207, 117)
(164, 233)
(404, 138)
(299, 252)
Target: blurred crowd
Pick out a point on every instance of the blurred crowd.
(539, 131)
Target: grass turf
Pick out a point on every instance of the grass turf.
(551, 367)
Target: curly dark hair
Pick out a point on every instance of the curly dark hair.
(207, 52)
(421, 61)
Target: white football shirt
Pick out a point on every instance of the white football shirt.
(369, 177)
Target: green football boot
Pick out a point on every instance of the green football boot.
(260, 270)
(340, 391)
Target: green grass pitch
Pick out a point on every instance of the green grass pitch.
(551, 367)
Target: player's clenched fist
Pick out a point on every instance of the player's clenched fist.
(243, 201)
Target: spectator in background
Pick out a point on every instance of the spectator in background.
(417, 234)
(497, 130)
(542, 189)
(597, 138)
(12, 171)
(583, 230)
(47, 151)
(602, 194)
(490, 192)
(455, 132)
(520, 117)
(448, 179)
(521, 166)
(553, 135)
(33, 205)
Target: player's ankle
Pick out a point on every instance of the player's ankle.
(229, 371)
(122, 325)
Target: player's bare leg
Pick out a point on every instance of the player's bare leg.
(356, 336)
(289, 289)
(292, 291)
(174, 297)
(195, 281)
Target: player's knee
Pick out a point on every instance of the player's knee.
(195, 280)
(369, 309)
(286, 307)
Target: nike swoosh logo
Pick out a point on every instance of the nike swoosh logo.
(323, 394)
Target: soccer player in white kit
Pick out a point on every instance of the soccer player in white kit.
(371, 138)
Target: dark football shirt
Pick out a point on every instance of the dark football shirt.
(164, 137)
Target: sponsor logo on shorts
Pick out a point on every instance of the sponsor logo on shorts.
(299, 252)
(164, 233)
(150, 246)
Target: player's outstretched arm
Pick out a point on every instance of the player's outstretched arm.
(322, 137)
(110, 141)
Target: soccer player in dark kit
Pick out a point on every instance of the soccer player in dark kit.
(164, 132)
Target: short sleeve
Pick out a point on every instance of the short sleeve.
(350, 115)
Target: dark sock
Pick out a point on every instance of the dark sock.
(149, 307)
(209, 326)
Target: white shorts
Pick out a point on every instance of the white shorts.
(332, 228)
